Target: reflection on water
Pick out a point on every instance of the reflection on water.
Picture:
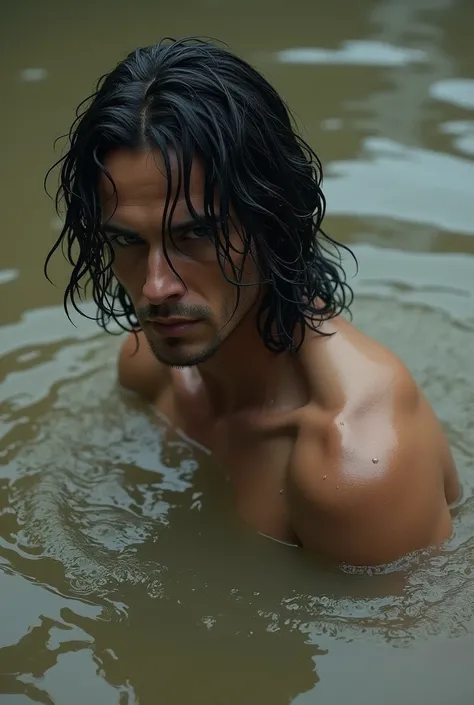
(33, 75)
(463, 131)
(458, 91)
(7, 275)
(118, 513)
(355, 53)
(125, 575)
(411, 190)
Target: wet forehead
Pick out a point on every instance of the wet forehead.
(140, 180)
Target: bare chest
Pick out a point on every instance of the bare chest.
(254, 455)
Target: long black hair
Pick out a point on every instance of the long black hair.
(199, 99)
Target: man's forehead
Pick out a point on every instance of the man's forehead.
(143, 173)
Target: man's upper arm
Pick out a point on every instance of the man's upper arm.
(373, 491)
(138, 369)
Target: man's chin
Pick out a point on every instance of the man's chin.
(173, 357)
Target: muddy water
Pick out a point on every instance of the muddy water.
(124, 575)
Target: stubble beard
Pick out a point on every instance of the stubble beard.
(181, 359)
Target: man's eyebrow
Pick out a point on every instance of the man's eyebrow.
(176, 226)
(117, 229)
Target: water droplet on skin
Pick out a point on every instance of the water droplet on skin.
(324, 477)
(375, 461)
(281, 491)
(337, 487)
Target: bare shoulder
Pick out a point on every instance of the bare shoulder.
(139, 370)
(371, 478)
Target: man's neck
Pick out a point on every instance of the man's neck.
(245, 375)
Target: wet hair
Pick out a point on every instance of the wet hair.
(199, 99)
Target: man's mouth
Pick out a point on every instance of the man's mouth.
(173, 326)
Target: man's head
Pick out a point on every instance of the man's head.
(189, 196)
(177, 282)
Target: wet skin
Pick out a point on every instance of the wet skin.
(335, 448)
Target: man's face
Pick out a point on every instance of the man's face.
(186, 321)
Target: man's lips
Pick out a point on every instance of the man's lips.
(173, 326)
(172, 321)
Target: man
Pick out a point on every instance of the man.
(195, 211)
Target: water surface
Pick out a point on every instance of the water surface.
(126, 576)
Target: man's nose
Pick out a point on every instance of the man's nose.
(161, 281)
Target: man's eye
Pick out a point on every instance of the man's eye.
(125, 240)
(199, 232)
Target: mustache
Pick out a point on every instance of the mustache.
(169, 310)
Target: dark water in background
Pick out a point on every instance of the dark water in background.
(125, 577)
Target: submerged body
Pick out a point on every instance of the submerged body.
(195, 211)
(346, 458)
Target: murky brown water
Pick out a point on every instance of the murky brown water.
(125, 577)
